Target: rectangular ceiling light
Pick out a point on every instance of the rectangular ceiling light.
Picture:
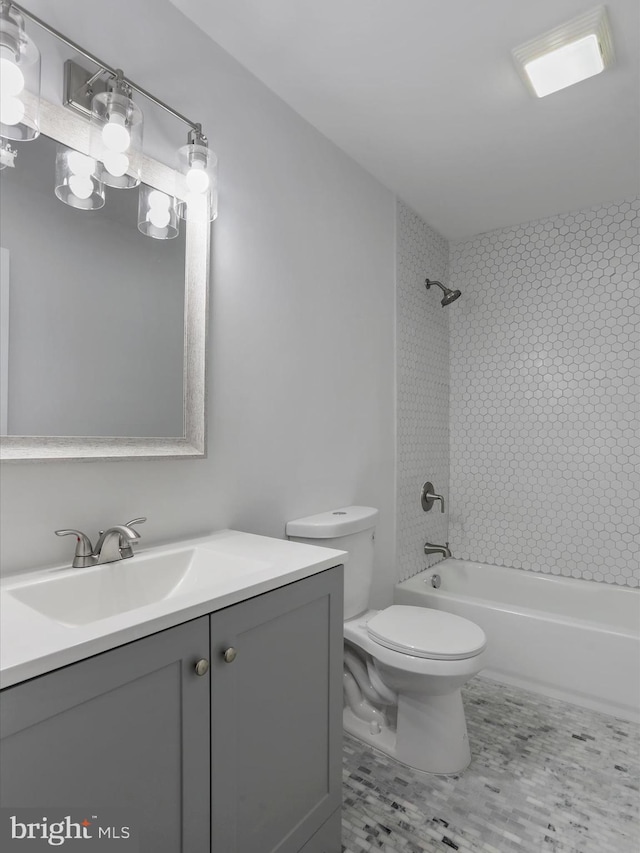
(567, 54)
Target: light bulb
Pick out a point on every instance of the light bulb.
(115, 135)
(80, 164)
(11, 110)
(197, 179)
(158, 200)
(81, 186)
(159, 216)
(11, 78)
(116, 164)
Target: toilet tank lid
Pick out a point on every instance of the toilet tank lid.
(334, 523)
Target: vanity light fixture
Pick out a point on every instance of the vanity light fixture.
(116, 158)
(19, 77)
(116, 134)
(76, 184)
(198, 167)
(568, 54)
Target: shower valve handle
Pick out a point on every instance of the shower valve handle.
(428, 496)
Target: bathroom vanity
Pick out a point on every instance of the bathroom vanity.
(221, 731)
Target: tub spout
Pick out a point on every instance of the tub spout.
(430, 548)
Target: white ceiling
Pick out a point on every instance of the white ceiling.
(424, 94)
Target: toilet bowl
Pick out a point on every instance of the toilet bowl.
(425, 726)
(403, 666)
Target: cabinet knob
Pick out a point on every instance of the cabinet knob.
(202, 667)
(230, 654)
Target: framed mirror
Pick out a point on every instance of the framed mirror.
(102, 329)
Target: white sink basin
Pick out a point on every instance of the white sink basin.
(84, 596)
(56, 616)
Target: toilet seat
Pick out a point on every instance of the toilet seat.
(426, 633)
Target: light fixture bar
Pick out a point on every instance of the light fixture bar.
(104, 66)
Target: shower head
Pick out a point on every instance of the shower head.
(449, 295)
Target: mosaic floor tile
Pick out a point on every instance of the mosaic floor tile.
(545, 777)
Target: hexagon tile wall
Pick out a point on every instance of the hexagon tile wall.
(544, 402)
(422, 390)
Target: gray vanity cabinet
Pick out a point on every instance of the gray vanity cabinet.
(126, 731)
(242, 759)
(276, 710)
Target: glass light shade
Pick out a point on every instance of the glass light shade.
(157, 214)
(116, 139)
(19, 79)
(197, 184)
(76, 184)
(565, 66)
(574, 51)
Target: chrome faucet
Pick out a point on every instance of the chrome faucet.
(113, 544)
(116, 542)
(430, 548)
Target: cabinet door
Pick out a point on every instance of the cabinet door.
(276, 713)
(127, 730)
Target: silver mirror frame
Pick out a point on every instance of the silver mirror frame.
(66, 127)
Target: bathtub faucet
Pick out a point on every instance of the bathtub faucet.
(430, 548)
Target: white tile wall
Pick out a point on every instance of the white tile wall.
(422, 429)
(545, 430)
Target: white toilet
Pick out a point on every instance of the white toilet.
(404, 666)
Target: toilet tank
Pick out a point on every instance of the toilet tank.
(351, 529)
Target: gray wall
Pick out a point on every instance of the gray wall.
(301, 360)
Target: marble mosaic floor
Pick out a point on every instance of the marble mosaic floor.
(545, 777)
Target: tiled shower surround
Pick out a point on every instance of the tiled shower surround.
(422, 375)
(541, 424)
(544, 402)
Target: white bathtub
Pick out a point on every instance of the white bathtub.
(572, 639)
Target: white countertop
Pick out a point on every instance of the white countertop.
(32, 643)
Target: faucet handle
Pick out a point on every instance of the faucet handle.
(428, 496)
(125, 547)
(83, 546)
(84, 549)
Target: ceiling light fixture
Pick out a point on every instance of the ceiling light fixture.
(568, 54)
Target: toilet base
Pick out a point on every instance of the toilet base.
(384, 740)
(431, 734)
